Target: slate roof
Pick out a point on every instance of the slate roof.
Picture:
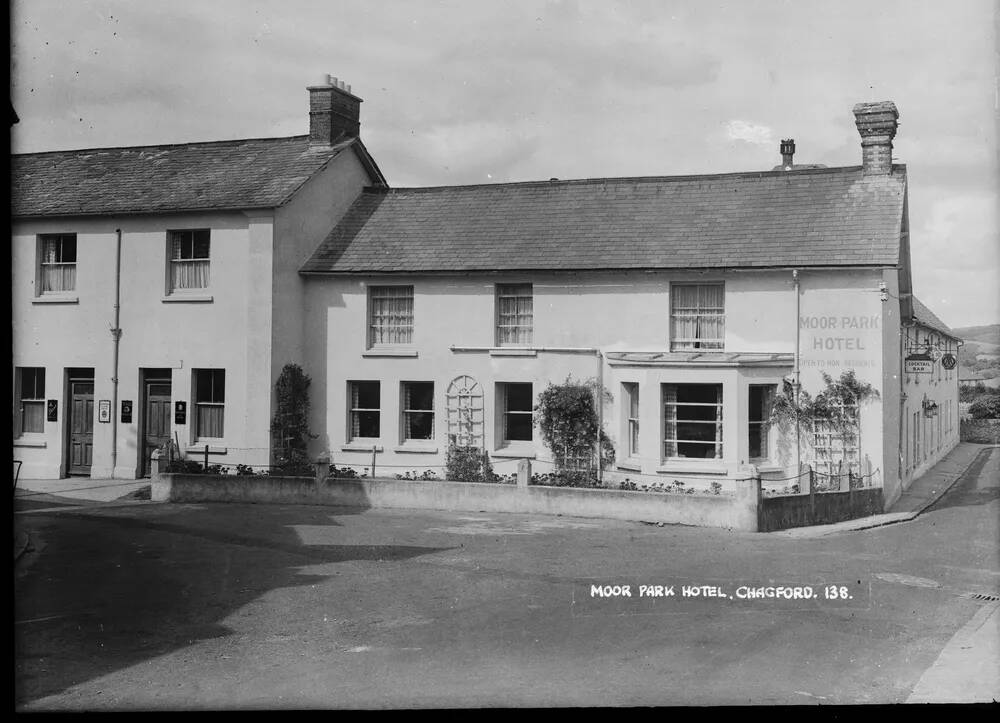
(927, 317)
(814, 217)
(240, 174)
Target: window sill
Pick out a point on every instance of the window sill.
(688, 468)
(360, 447)
(513, 351)
(514, 452)
(416, 449)
(630, 465)
(371, 353)
(178, 298)
(22, 442)
(55, 299)
(195, 448)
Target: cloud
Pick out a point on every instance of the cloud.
(740, 130)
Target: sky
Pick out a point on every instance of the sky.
(488, 92)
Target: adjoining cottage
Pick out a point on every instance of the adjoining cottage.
(435, 316)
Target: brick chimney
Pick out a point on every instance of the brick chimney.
(877, 125)
(787, 151)
(333, 112)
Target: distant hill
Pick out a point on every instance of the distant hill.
(979, 340)
(989, 334)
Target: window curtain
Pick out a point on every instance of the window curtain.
(711, 322)
(58, 277)
(685, 316)
(670, 420)
(210, 420)
(633, 413)
(189, 274)
(392, 315)
(33, 416)
(355, 415)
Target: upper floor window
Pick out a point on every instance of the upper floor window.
(697, 316)
(390, 315)
(210, 403)
(514, 314)
(57, 268)
(189, 259)
(31, 395)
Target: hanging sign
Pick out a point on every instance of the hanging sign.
(918, 364)
(104, 411)
(948, 361)
(52, 410)
(126, 411)
(180, 412)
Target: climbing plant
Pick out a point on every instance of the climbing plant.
(290, 424)
(568, 421)
(837, 406)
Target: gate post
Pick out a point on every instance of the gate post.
(322, 468)
(523, 473)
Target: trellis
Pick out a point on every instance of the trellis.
(465, 412)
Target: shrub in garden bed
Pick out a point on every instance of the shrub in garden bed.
(674, 487)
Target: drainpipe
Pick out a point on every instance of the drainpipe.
(796, 372)
(116, 335)
(600, 414)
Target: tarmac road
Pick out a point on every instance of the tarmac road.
(153, 606)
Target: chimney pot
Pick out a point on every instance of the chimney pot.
(877, 124)
(787, 151)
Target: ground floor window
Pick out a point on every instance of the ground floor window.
(210, 403)
(418, 410)
(365, 410)
(31, 396)
(516, 400)
(630, 402)
(692, 421)
(761, 399)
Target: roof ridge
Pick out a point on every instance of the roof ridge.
(651, 179)
(161, 145)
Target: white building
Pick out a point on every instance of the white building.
(431, 316)
(192, 252)
(690, 299)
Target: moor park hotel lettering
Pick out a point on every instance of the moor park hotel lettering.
(834, 340)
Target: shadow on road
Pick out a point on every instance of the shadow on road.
(109, 589)
(969, 489)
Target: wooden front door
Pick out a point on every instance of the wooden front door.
(81, 425)
(156, 420)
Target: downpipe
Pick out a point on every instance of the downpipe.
(116, 335)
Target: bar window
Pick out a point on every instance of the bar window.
(210, 403)
(189, 259)
(365, 410)
(31, 397)
(517, 401)
(418, 410)
(697, 316)
(761, 399)
(630, 400)
(57, 270)
(692, 421)
(515, 316)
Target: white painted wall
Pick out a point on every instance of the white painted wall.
(612, 311)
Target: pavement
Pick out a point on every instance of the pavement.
(922, 493)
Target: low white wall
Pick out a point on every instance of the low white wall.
(728, 511)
